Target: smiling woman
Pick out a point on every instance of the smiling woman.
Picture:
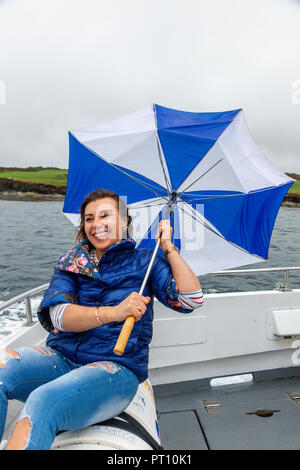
(93, 290)
(104, 220)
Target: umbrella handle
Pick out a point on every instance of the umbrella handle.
(124, 336)
(129, 322)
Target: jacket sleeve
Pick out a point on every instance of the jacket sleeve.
(164, 286)
(62, 289)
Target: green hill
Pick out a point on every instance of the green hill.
(53, 176)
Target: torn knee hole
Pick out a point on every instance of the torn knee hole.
(6, 355)
(20, 435)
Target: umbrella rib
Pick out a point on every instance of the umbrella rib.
(215, 142)
(230, 195)
(122, 171)
(160, 152)
(201, 176)
(216, 233)
(147, 185)
(137, 180)
(150, 228)
(133, 206)
(193, 216)
(162, 166)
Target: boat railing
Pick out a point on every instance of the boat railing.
(27, 296)
(281, 286)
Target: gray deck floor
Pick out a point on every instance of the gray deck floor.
(184, 422)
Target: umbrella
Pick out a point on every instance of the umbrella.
(205, 169)
(225, 193)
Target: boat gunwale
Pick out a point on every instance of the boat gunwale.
(28, 294)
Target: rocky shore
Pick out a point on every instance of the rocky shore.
(29, 196)
(291, 200)
(17, 190)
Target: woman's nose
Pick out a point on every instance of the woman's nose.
(98, 223)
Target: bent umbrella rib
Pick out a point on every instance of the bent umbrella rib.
(117, 167)
(201, 176)
(193, 216)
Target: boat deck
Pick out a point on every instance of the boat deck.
(233, 420)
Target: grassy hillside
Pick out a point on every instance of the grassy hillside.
(55, 176)
(295, 188)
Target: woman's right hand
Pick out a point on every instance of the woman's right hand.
(134, 305)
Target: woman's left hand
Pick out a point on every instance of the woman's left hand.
(165, 233)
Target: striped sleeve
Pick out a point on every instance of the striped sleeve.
(191, 300)
(56, 313)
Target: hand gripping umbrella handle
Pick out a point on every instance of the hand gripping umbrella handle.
(129, 322)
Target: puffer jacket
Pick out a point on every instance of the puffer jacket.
(120, 272)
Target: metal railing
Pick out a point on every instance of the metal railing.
(280, 286)
(26, 296)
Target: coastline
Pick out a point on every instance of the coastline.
(29, 196)
(12, 189)
(295, 205)
(38, 197)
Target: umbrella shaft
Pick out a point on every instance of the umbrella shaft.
(167, 215)
(149, 267)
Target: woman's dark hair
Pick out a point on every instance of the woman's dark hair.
(101, 194)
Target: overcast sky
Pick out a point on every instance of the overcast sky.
(67, 64)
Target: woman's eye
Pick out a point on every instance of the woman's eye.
(105, 214)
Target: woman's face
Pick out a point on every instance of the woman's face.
(102, 223)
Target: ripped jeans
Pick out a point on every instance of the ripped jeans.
(59, 394)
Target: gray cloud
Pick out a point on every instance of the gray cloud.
(73, 63)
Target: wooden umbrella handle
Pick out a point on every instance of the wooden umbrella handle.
(124, 336)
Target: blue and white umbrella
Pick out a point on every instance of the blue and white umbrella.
(224, 192)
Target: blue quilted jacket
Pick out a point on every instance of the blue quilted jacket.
(121, 270)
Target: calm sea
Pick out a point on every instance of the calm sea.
(35, 234)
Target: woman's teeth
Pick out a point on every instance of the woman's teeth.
(100, 235)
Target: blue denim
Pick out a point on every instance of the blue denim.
(59, 394)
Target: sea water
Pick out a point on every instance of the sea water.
(35, 234)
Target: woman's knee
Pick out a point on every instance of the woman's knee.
(9, 358)
(14, 356)
(39, 400)
(6, 355)
(35, 423)
(38, 409)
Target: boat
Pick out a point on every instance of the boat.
(226, 376)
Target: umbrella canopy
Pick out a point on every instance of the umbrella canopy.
(224, 192)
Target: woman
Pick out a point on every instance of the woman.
(77, 380)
